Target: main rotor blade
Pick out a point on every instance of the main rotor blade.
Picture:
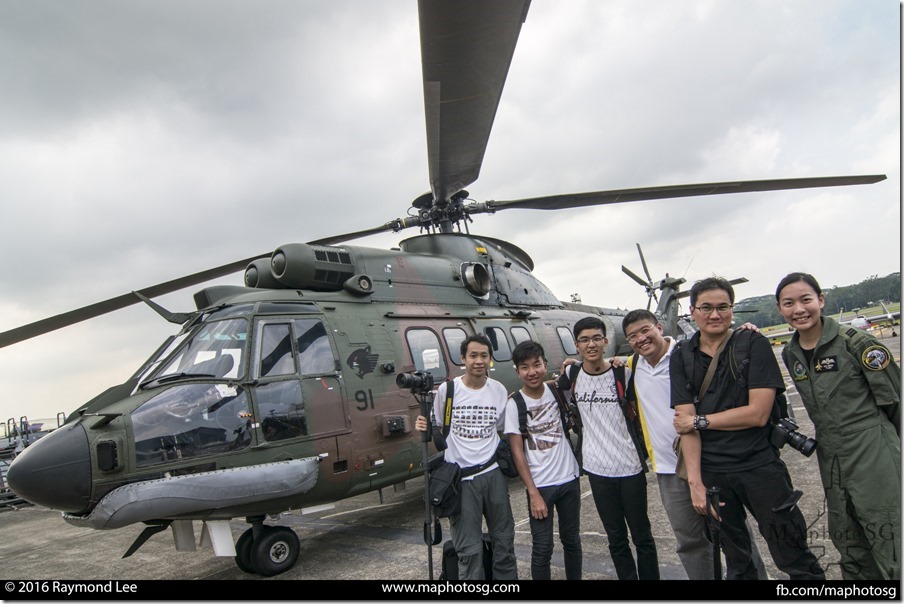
(91, 311)
(466, 50)
(97, 309)
(579, 200)
(356, 235)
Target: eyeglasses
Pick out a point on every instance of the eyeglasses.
(707, 309)
(641, 334)
(595, 339)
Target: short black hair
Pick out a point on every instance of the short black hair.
(711, 283)
(794, 278)
(589, 323)
(480, 339)
(640, 314)
(527, 350)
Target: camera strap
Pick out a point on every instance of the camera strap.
(711, 370)
(447, 410)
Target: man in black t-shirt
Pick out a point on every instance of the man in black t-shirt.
(725, 439)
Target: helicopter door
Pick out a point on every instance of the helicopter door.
(297, 393)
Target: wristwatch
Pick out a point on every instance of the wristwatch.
(700, 422)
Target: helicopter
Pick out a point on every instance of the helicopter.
(280, 394)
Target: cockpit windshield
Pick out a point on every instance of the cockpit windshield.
(216, 349)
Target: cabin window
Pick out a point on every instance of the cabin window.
(191, 420)
(520, 334)
(567, 339)
(501, 349)
(282, 412)
(425, 353)
(315, 356)
(454, 336)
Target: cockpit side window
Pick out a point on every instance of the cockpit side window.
(315, 356)
(276, 350)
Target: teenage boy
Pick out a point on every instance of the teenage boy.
(652, 392)
(610, 458)
(725, 439)
(477, 417)
(545, 463)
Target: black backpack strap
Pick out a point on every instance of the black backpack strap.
(573, 371)
(447, 409)
(683, 349)
(629, 390)
(570, 419)
(522, 413)
(630, 412)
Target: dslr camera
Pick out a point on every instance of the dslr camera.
(785, 431)
(417, 382)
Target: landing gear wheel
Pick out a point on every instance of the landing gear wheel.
(243, 551)
(275, 550)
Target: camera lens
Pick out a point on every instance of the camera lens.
(802, 443)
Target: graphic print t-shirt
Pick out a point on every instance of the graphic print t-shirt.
(547, 449)
(607, 447)
(477, 415)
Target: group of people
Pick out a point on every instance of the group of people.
(719, 392)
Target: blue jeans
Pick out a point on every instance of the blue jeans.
(566, 499)
(622, 505)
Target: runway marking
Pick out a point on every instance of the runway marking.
(369, 507)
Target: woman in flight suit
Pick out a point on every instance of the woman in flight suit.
(851, 387)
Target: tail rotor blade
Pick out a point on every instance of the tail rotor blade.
(631, 274)
(643, 261)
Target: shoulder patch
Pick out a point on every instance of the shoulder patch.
(875, 358)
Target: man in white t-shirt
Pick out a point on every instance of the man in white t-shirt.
(610, 456)
(545, 463)
(477, 417)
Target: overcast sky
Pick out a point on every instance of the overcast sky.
(144, 140)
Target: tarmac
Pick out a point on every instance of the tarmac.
(372, 536)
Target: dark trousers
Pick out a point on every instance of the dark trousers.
(622, 505)
(566, 500)
(768, 494)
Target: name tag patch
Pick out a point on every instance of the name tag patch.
(826, 364)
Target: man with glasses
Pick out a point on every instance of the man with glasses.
(652, 391)
(610, 457)
(725, 438)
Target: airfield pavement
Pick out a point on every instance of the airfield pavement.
(361, 538)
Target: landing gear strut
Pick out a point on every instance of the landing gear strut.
(266, 550)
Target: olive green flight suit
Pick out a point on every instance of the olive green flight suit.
(852, 392)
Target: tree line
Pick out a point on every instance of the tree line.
(761, 310)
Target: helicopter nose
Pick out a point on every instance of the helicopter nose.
(55, 471)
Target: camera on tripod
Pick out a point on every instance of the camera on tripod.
(785, 431)
(417, 382)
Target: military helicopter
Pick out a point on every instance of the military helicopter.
(280, 394)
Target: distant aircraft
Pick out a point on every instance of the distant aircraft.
(888, 315)
(858, 321)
